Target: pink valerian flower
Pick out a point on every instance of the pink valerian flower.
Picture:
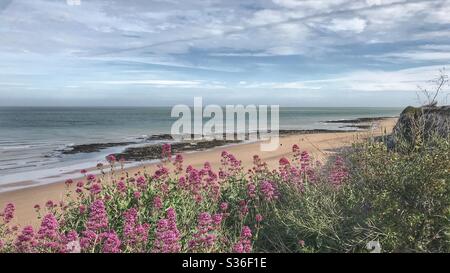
(68, 182)
(285, 169)
(258, 165)
(244, 244)
(167, 238)
(161, 173)
(258, 218)
(301, 243)
(269, 190)
(82, 209)
(217, 219)
(49, 204)
(96, 224)
(98, 218)
(230, 166)
(251, 190)
(157, 203)
(192, 182)
(48, 235)
(111, 242)
(210, 181)
(166, 152)
(8, 212)
(304, 160)
(339, 172)
(121, 187)
(83, 172)
(26, 241)
(141, 182)
(178, 164)
(91, 177)
(205, 237)
(111, 159)
(224, 206)
(95, 189)
(243, 208)
(137, 195)
(135, 235)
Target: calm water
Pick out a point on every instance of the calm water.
(31, 138)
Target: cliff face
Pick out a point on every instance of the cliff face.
(420, 124)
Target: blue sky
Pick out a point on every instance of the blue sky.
(164, 52)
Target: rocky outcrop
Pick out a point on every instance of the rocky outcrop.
(419, 124)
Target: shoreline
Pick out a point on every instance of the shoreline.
(319, 144)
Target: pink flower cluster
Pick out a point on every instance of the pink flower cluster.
(339, 172)
(167, 238)
(205, 237)
(244, 244)
(269, 190)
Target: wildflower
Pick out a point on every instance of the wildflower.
(111, 242)
(243, 207)
(284, 161)
(137, 195)
(49, 204)
(268, 189)
(48, 235)
(338, 172)
(230, 165)
(25, 242)
(111, 159)
(204, 238)
(157, 203)
(98, 218)
(95, 189)
(251, 190)
(224, 207)
(217, 219)
(161, 173)
(244, 245)
(167, 235)
(80, 184)
(121, 187)
(134, 234)
(295, 148)
(258, 218)
(141, 182)
(8, 212)
(301, 243)
(258, 164)
(49, 228)
(68, 182)
(166, 152)
(178, 163)
(37, 207)
(91, 177)
(82, 209)
(83, 171)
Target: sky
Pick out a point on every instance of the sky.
(165, 52)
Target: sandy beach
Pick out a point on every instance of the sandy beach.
(320, 145)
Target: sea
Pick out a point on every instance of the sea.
(32, 138)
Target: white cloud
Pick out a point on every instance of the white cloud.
(356, 25)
